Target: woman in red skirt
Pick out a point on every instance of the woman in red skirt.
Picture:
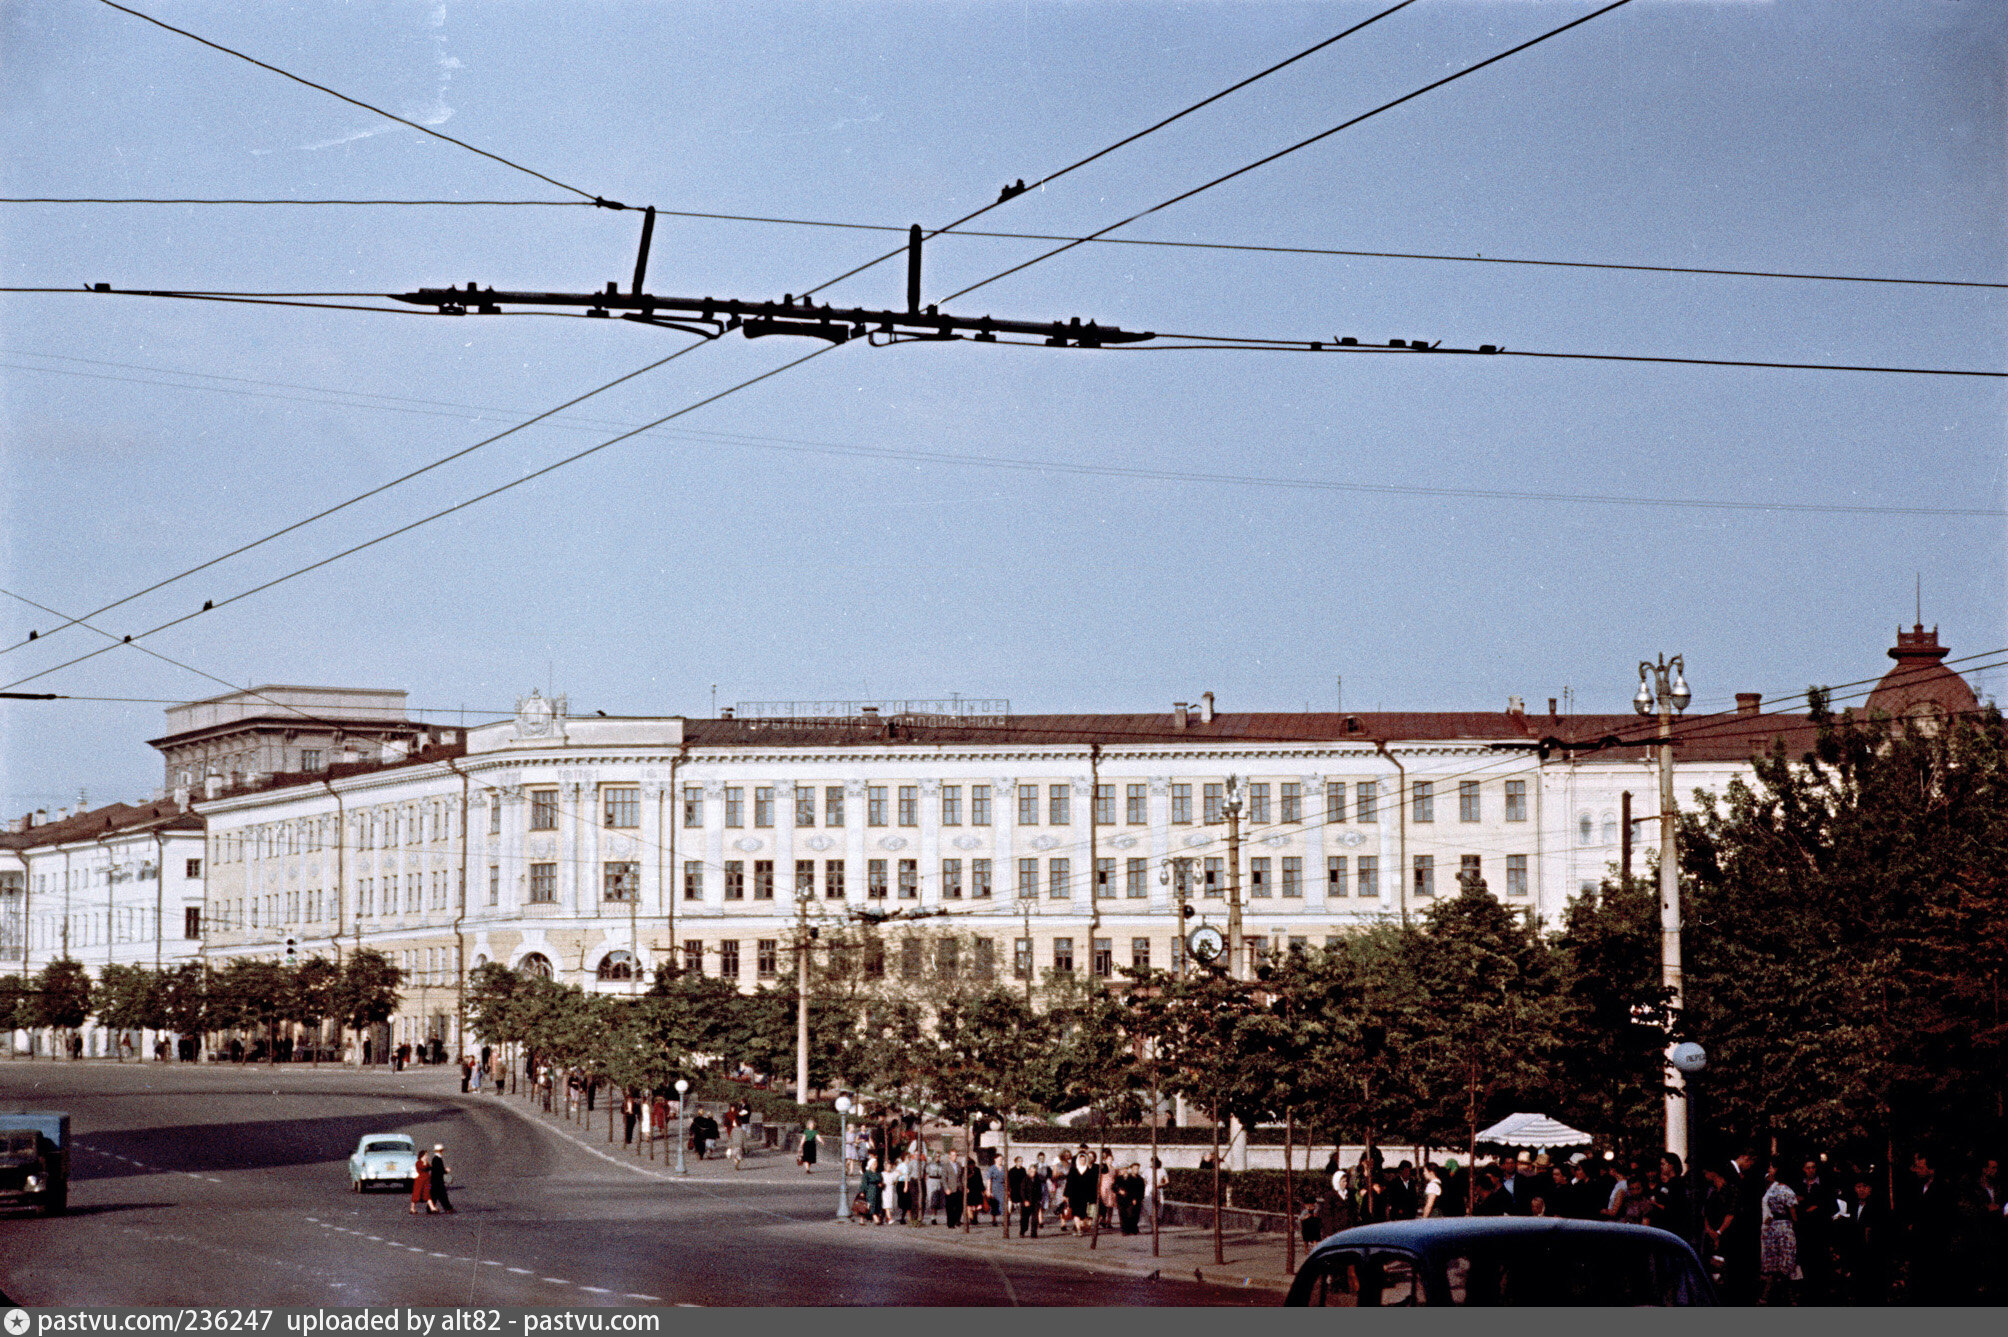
(421, 1184)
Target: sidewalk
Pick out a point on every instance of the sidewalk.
(1253, 1259)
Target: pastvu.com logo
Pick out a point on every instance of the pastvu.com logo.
(16, 1322)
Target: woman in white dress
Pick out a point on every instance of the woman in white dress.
(1777, 1237)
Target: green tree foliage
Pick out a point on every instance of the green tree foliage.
(367, 992)
(1608, 1066)
(128, 998)
(1848, 922)
(63, 995)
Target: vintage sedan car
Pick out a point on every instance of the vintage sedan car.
(1501, 1260)
(35, 1161)
(383, 1159)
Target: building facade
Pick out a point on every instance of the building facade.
(229, 740)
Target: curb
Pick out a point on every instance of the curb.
(1206, 1274)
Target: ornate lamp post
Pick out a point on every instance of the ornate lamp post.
(682, 1112)
(843, 1158)
(1663, 685)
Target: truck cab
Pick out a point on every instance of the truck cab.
(35, 1161)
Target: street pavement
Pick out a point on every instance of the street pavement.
(227, 1184)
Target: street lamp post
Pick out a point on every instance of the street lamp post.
(1691, 1060)
(1663, 685)
(682, 1113)
(843, 1158)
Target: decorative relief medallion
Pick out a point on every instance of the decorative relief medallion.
(1045, 842)
(819, 843)
(543, 847)
(1276, 841)
(1352, 840)
(747, 843)
(620, 846)
(892, 842)
(1195, 840)
(968, 842)
(537, 717)
(1125, 842)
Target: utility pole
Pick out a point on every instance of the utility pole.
(1664, 685)
(1233, 808)
(1625, 843)
(802, 932)
(1094, 864)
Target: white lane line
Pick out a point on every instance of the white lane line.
(374, 1239)
(413, 1248)
(555, 1281)
(521, 1271)
(490, 1262)
(637, 1295)
(212, 1180)
(449, 1257)
(596, 1290)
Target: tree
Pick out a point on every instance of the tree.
(316, 996)
(1608, 1064)
(16, 1006)
(367, 993)
(127, 999)
(184, 1001)
(63, 998)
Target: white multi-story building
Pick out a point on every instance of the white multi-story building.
(595, 850)
(117, 885)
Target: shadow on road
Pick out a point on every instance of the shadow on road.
(253, 1145)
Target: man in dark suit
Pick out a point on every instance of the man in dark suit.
(441, 1201)
(1861, 1242)
(1928, 1232)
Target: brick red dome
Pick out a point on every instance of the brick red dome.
(1920, 686)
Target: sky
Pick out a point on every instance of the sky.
(805, 538)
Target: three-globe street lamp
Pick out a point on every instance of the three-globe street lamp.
(843, 1158)
(1663, 685)
(682, 1113)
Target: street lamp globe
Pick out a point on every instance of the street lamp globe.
(682, 1085)
(1688, 1057)
(1681, 696)
(843, 1104)
(1642, 703)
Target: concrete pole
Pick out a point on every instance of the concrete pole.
(1234, 947)
(1677, 1134)
(802, 1001)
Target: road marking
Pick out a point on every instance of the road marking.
(449, 1257)
(521, 1271)
(555, 1281)
(374, 1239)
(596, 1290)
(490, 1262)
(636, 1295)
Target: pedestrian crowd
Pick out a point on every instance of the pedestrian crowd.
(1771, 1230)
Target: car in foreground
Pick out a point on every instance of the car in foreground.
(35, 1161)
(1501, 1260)
(383, 1159)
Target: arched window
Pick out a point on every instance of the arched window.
(480, 960)
(1610, 829)
(536, 964)
(617, 966)
(1584, 830)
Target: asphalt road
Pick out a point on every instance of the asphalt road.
(221, 1184)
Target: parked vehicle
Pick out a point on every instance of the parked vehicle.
(1501, 1260)
(35, 1161)
(383, 1159)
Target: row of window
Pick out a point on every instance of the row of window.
(911, 958)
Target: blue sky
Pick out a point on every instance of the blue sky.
(753, 548)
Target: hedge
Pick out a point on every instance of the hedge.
(1138, 1135)
(1255, 1190)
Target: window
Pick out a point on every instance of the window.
(1063, 956)
(543, 885)
(979, 805)
(1369, 876)
(833, 805)
(1335, 875)
(979, 879)
(1423, 802)
(310, 759)
(805, 805)
(728, 959)
(1028, 879)
(874, 959)
(1136, 805)
(1366, 801)
(495, 815)
(951, 805)
(1335, 801)
(1021, 958)
(1425, 875)
(1181, 805)
(1469, 873)
(986, 959)
(735, 879)
(909, 879)
(875, 879)
(693, 880)
(622, 881)
(543, 810)
(1258, 878)
(693, 956)
(763, 879)
(767, 957)
(1214, 796)
(1293, 877)
(1516, 875)
(1028, 805)
(833, 879)
(622, 807)
(1103, 962)
(951, 879)
(693, 806)
(193, 869)
(909, 958)
(763, 805)
(1467, 800)
(735, 806)
(909, 805)
(494, 885)
(191, 921)
(1293, 802)
(805, 879)
(1059, 877)
(948, 958)
(1298, 946)
(1216, 878)
(1060, 804)
(1258, 952)
(875, 813)
(1139, 953)
(1105, 872)
(1136, 879)
(1258, 804)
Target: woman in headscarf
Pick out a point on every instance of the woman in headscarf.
(874, 1189)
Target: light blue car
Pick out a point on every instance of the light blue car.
(382, 1158)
